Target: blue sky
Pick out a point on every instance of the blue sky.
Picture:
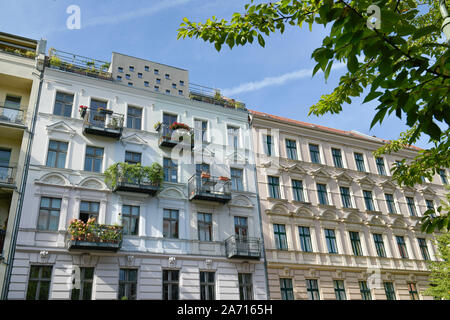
(275, 79)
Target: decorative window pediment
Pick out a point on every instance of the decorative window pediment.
(133, 139)
(428, 191)
(278, 208)
(93, 183)
(61, 127)
(294, 168)
(321, 175)
(353, 217)
(55, 179)
(344, 179)
(241, 201)
(388, 186)
(172, 193)
(366, 183)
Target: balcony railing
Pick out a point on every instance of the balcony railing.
(204, 187)
(169, 137)
(7, 175)
(11, 115)
(2, 240)
(103, 122)
(98, 237)
(243, 247)
(213, 96)
(74, 63)
(136, 179)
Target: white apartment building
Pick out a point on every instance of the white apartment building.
(335, 224)
(196, 235)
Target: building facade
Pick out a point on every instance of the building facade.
(21, 63)
(100, 225)
(335, 224)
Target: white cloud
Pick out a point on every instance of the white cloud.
(274, 81)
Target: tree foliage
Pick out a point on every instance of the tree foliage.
(402, 66)
(440, 270)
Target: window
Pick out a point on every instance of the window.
(312, 289)
(57, 152)
(287, 292)
(167, 76)
(380, 166)
(207, 285)
(268, 145)
(233, 137)
(245, 286)
(379, 245)
(170, 284)
(412, 288)
(181, 83)
(330, 239)
(119, 78)
(200, 130)
(158, 80)
(170, 170)
(63, 104)
(39, 282)
(174, 85)
(389, 290)
(139, 75)
(130, 84)
(402, 247)
(130, 219)
(93, 160)
(156, 88)
(322, 193)
(167, 91)
(170, 224)
(146, 68)
(127, 76)
(119, 69)
(279, 231)
(430, 204)
(339, 290)
(356, 243)
(240, 227)
(204, 225)
(237, 179)
(443, 176)
(274, 187)
(88, 210)
(390, 203)
(368, 200)
(291, 149)
(359, 159)
(314, 153)
(49, 214)
(297, 189)
(423, 248)
(345, 197)
(411, 206)
(133, 157)
(337, 157)
(180, 92)
(131, 68)
(365, 291)
(84, 292)
(146, 83)
(128, 284)
(305, 239)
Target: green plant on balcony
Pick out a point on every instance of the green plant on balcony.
(55, 61)
(77, 229)
(122, 172)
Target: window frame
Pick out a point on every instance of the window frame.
(49, 209)
(337, 158)
(205, 226)
(280, 237)
(305, 238)
(39, 279)
(171, 283)
(63, 104)
(291, 149)
(173, 231)
(58, 153)
(286, 289)
(207, 284)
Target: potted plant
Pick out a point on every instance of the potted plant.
(179, 125)
(77, 229)
(205, 175)
(223, 178)
(157, 126)
(55, 61)
(83, 110)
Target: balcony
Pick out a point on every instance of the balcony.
(11, 116)
(205, 187)
(127, 177)
(7, 175)
(103, 123)
(74, 63)
(172, 135)
(96, 237)
(213, 96)
(244, 248)
(2, 240)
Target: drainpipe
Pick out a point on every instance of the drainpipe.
(12, 247)
(446, 24)
(259, 211)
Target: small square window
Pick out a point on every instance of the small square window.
(130, 84)
(140, 75)
(180, 92)
(120, 69)
(181, 83)
(158, 80)
(119, 78)
(128, 76)
(147, 68)
(174, 85)
(167, 76)
(156, 71)
(156, 88)
(167, 91)
(131, 68)
(146, 83)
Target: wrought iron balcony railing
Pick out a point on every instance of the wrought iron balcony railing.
(98, 237)
(213, 96)
(103, 122)
(170, 136)
(2, 240)
(7, 175)
(205, 187)
(11, 115)
(243, 247)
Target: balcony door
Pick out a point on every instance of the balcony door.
(5, 170)
(241, 233)
(168, 119)
(96, 117)
(203, 183)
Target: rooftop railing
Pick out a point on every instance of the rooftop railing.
(213, 96)
(78, 64)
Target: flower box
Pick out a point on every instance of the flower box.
(178, 125)
(222, 178)
(205, 175)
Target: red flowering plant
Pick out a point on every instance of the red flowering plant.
(77, 229)
(83, 110)
(179, 125)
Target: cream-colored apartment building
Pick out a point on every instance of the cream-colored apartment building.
(335, 224)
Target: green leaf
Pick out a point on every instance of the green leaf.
(261, 41)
